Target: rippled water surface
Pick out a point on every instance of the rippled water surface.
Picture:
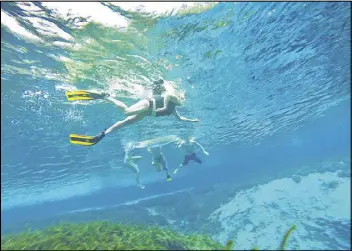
(249, 71)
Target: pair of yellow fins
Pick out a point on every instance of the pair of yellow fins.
(84, 95)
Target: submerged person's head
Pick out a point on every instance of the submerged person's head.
(158, 87)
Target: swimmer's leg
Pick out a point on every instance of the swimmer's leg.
(163, 163)
(121, 105)
(184, 163)
(196, 159)
(157, 166)
(135, 169)
(137, 108)
(168, 176)
(127, 121)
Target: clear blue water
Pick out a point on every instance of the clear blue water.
(270, 83)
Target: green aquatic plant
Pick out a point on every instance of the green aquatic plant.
(220, 24)
(114, 236)
(106, 236)
(284, 241)
(197, 8)
(209, 54)
(229, 245)
(100, 53)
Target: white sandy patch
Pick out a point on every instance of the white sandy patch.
(261, 215)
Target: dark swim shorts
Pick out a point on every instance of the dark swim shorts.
(189, 157)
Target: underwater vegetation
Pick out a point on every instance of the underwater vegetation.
(106, 236)
(113, 236)
(284, 240)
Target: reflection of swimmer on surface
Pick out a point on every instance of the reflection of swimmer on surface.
(159, 161)
(158, 141)
(189, 147)
(130, 162)
(163, 104)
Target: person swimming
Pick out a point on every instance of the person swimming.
(159, 105)
(130, 162)
(153, 146)
(159, 161)
(189, 147)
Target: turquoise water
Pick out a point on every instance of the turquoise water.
(270, 83)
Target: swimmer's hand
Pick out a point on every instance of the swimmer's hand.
(179, 143)
(189, 120)
(206, 153)
(160, 109)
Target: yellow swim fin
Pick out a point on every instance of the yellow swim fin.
(168, 178)
(83, 95)
(85, 140)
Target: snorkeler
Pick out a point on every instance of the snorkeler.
(188, 146)
(159, 105)
(158, 87)
(130, 162)
(159, 161)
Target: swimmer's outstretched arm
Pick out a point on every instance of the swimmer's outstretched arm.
(179, 117)
(128, 155)
(136, 157)
(201, 147)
